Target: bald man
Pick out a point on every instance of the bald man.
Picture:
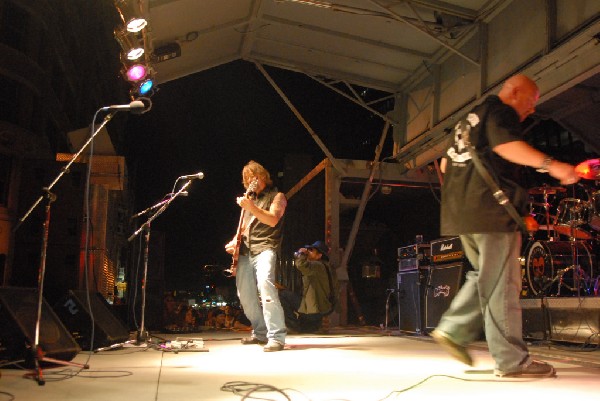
(491, 239)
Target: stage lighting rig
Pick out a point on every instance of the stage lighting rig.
(136, 56)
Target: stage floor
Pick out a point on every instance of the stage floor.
(358, 364)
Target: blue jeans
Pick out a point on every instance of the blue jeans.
(257, 273)
(489, 299)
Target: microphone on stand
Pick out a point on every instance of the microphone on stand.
(197, 176)
(136, 107)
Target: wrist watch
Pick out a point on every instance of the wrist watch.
(545, 164)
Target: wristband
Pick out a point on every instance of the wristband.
(545, 164)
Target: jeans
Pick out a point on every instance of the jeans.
(257, 273)
(489, 299)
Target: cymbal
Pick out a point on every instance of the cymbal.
(545, 190)
(589, 169)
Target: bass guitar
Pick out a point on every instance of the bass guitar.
(250, 194)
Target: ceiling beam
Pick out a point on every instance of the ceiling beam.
(444, 7)
(359, 39)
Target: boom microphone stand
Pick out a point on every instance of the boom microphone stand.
(37, 351)
(142, 335)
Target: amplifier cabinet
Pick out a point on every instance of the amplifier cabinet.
(411, 298)
(446, 250)
(443, 283)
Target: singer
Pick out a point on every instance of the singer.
(261, 230)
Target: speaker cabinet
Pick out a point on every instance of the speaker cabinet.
(443, 284)
(77, 317)
(18, 316)
(567, 319)
(411, 295)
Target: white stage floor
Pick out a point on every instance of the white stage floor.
(358, 364)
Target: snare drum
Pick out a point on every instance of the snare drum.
(550, 264)
(572, 213)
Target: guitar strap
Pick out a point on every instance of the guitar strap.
(499, 195)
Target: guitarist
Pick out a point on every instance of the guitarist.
(261, 229)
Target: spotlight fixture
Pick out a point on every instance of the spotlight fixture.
(136, 73)
(145, 87)
(131, 14)
(131, 45)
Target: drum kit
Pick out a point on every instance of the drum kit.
(560, 258)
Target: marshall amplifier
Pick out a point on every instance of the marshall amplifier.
(414, 257)
(446, 250)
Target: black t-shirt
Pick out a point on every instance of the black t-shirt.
(468, 205)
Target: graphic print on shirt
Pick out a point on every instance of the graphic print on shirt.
(459, 153)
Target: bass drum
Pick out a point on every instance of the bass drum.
(551, 271)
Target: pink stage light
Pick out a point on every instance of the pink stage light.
(136, 72)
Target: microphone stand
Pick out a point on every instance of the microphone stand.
(142, 335)
(37, 351)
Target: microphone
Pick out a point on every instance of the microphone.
(136, 107)
(197, 176)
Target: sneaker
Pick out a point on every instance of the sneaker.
(533, 369)
(273, 346)
(253, 340)
(457, 351)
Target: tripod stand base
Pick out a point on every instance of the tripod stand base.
(39, 358)
(142, 339)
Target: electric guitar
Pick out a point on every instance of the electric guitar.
(250, 194)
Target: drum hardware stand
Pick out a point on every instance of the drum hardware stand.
(578, 272)
(579, 277)
(547, 215)
(37, 351)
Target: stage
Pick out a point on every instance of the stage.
(351, 363)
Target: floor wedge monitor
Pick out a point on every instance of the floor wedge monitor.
(18, 317)
(74, 310)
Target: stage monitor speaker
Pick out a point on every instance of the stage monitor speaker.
(75, 314)
(411, 295)
(565, 319)
(443, 284)
(18, 316)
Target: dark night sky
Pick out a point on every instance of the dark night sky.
(214, 122)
